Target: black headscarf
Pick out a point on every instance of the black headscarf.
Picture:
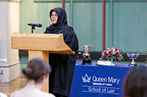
(61, 22)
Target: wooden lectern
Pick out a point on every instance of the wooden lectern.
(39, 46)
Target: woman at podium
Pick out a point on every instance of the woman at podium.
(63, 65)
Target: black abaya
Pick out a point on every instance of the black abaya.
(62, 64)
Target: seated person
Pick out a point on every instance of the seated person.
(36, 73)
(136, 82)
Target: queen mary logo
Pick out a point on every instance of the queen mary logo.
(86, 78)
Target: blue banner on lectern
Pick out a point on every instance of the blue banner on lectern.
(98, 81)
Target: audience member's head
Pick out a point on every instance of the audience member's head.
(36, 69)
(36, 73)
(136, 82)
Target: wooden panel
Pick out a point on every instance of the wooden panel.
(42, 42)
(92, 0)
(34, 41)
(88, 23)
(130, 26)
(125, 21)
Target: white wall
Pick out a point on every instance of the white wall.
(3, 31)
(9, 23)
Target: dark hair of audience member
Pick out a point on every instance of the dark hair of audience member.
(136, 82)
(36, 69)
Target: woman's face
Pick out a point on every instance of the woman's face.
(54, 17)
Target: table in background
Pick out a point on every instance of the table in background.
(98, 81)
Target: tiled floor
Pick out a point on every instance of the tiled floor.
(10, 87)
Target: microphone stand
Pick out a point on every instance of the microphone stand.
(33, 28)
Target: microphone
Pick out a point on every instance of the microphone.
(34, 25)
